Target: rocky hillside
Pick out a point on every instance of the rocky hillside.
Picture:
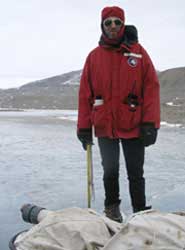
(172, 84)
(60, 92)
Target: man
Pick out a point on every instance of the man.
(119, 96)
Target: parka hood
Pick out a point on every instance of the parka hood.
(113, 11)
(129, 37)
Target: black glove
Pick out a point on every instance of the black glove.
(85, 136)
(148, 133)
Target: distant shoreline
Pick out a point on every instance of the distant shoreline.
(10, 110)
(67, 115)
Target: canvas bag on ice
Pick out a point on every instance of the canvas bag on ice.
(151, 230)
(69, 229)
(81, 229)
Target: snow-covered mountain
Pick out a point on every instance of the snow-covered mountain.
(61, 92)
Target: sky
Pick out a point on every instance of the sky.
(44, 38)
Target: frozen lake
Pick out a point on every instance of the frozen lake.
(42, 162)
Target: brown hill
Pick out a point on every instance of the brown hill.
(172, 84)
(60, 92)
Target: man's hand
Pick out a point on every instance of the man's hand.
(85, 136)
(148, 134)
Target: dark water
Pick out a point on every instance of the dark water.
(42, 162)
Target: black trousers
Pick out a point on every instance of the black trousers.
(134, 151)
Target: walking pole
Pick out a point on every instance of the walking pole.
(89, 175)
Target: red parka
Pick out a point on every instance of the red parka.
(126, 81)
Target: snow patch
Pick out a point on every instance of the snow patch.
(163, 123)
(70, 115)
(75, 80)
(172, 104)
(69, 118)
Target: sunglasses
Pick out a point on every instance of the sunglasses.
(108, 22)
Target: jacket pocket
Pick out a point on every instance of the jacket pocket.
(99, 116)
(129, 118)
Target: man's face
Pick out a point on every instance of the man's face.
(112, 26)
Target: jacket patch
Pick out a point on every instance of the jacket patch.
(132, 61)
(133, 54)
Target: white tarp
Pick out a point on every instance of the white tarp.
(69, 229)
(82, 229)
(150, 230)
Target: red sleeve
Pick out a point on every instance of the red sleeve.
(151, 92)
(85, 98)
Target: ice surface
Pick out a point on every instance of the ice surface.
(42, 162)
